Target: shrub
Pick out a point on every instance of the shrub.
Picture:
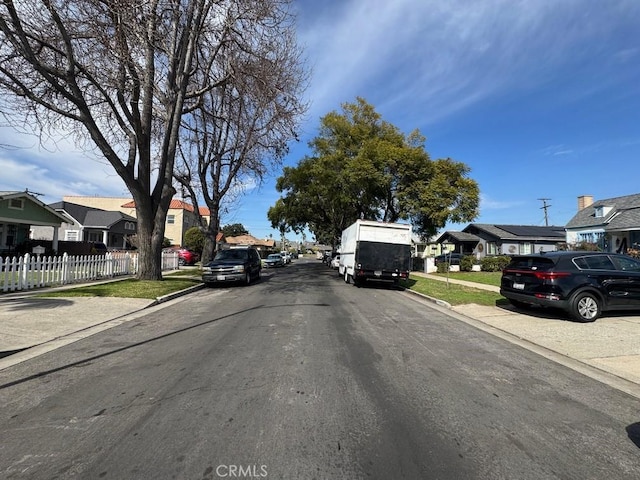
(443, 267)
(467, 262)
(494, 264)
(194, 239)
(633, 252)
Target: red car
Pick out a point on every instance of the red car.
(185, 256)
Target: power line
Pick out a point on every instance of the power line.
(545, 207)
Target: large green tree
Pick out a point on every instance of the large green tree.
(234, 230)
(363, 167)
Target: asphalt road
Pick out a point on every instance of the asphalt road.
(302, 376)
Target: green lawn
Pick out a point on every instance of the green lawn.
(129, 288)
(488, 278)
(452, 293)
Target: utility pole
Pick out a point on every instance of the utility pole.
(545, 207)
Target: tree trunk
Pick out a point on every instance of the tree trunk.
(209, 248)
(151, 227)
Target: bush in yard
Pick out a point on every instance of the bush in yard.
(194, 239)
(494, 264)
(467, 262)
(443, 267)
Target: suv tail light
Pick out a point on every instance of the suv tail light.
(550, 275)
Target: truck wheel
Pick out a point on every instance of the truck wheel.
(346, 276)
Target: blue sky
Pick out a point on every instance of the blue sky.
(540, 98)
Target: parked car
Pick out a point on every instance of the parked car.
(286, 257)
(335, 261)
(452, 258)
(233, 265)
(584, 284)
(185, 256)
(274, 260)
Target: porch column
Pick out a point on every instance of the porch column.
(54, 243)
(105, 237)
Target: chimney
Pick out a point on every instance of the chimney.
(585, 201)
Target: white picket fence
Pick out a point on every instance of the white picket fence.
(36, 271)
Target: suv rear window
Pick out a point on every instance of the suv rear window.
(531, 263)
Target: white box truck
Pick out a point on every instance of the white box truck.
(375, 251)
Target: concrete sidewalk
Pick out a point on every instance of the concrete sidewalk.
(611, 344)
(608, 349)
(31, 325)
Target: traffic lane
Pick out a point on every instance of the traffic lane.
(234, 378)
(282, 374)
(515, 413)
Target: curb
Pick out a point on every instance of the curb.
(171, 296)
(437, 301)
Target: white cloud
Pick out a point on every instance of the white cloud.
(54, 169)
(487, 203)
(445, 56)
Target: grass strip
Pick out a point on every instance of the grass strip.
(129, 288)
(452, 293)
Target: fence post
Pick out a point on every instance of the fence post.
(24, 269)
(65, 268)
(4, 270)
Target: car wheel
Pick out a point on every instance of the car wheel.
(585, 307)
(346, 276)
(181, 262)
(247, 278)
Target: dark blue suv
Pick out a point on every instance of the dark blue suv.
(584, 284)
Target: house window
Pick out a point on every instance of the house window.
(526, 248)
(12, 232)
(171, 219)
(72, 235)
(16, 203)
(492, 248)
(95, 237)
(129, 226)
(591, 237)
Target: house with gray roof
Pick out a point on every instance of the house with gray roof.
(20, 213)
(88, 224)
(481, 239)
(613, 224)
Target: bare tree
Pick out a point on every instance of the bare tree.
(241, 128)
(118, 75)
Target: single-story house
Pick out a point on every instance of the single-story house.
(88, 224)
(180, 217)
(263, 246)
(486, 240)
(20, 213)
(613, 224)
